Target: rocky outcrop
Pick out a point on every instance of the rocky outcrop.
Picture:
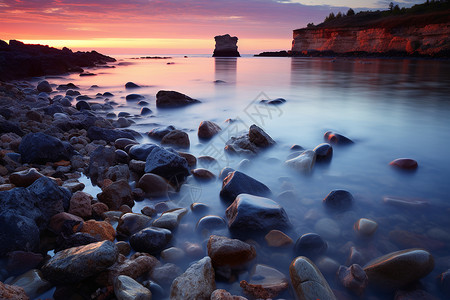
(429, 40)
(226, 46)
(19, 60)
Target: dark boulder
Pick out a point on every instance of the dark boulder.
(336, 138)
(83, 105)
(338, 200)
(42, 148)
(324, 152)
(141, 151)
(239, 183)
(150, 240)
(100, 160)
(134, 97)
(7, 126)
(159, 132)
(169, 99)
(208, 129)
(176, 138)
(166, 163)
(131, 85)
(310, 245)
(17, 233)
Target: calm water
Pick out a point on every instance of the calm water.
(390, 108)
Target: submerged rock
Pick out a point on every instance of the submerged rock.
(265, 282)
(303, 162)
(338, 200)
(166, 163)
(176, 138)
(251, 143)
(310, 245)
(404, 163)
(229, 252)
(170, 99)
(226, 46)
(238, 183)
(208, 129)
(336, 138)
(353, 278)
(151, 240)
(126, 288)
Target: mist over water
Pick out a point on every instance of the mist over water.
(389, 108)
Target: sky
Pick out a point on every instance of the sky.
(167, 26)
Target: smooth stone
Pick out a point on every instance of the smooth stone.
(304, 162)
(328, 228)
(404, 163)
(72, 93)
(123, 114)
(203, 174)
(117, 194)
(42, 148)
(170, 219)
(172, 254)
(224, 172)
(253, 214)
(327, 265)
(83, 105)
(199, 208)
(310, 245)
(355, 257)
(210, 223)
(239, 183)
(176, 138)
(338, 200)
(159, 132)
(171, 99)
(276, 238)
(134, 97)
(25, 178)
(229, 252)
(108, 94)
(121, 143)
(131, 85)
(400, 268)
(353, 278)
(167, 163)
(78, 263)
(124, 248)
(122, 156)
(145, 111)
(208, 129)
(130, 223)
(126, 288)
(151, 240)
(157, 291)
(265, 283)
(197, 282)
(44, 87)
(165, 274)
(308, 282)
(80, 204)
(154, 185)
(32, 283)
(57, 221)
(336, 138)
(191, 159)
(366, 227)
(136, 266)
(324, 152)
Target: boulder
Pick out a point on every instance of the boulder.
(78, 263)
(253, 214)
(117, 194)
(365, 227)
(150, 240)
(171, 99)
(170, 219)
(226, 46)
(228, 252)
(336, 138)
(400, 268)
(17, 232)
(42, 148)
(239, 183)
(310, 245)
(25, 178)
(208, 129)
(159, 132)
(130, 223)
(166, 163)
(259, 137)
(308, 282)
(176, 138)
(80, 204)
(126, 288)
(250, 143)
(100, 160)
(198, 282)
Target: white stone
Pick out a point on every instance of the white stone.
(366, 227)
(126, 288)
(304, 162)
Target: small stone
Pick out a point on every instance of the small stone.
(310, 245)
(304, 162)
(44, 87)
(123, 247)
(191, 159)
(276, 238)
(172, 254)
(353, 278)
(170, 219)
(176, 138)
(80, 204)
(366, 227)
(229, 252)
(25, 178)
(336, 138)
(324, 152)
(151, 240)
(203, 174)
(126, 288)
(259, 137)
(154, 185)
(404, 163)
(208, 129)
(101, 230)
(145, 111)
(130, 223)
(338, 200)
(171, 99)
(210, 223)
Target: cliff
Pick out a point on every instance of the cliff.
(423, 35)
(226, 46)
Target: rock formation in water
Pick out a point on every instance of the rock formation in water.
(405, 35)
(19, 60)
(226, 46)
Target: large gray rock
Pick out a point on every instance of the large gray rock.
(170, 99)
(41, 148)
(239, 183)
(126, 288)
(400, 268)
(253, 214)
(308, 282)
(166, 163)
(226, 46)
(78, 263)
(198, 282)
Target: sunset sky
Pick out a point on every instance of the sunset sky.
(167, 26)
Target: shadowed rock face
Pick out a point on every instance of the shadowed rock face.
(226, 46)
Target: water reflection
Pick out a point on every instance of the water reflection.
(225, 69)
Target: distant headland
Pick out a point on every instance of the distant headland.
(420, 31)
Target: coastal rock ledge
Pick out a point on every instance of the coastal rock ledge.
(226, 46)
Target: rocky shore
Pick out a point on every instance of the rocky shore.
(56, 236)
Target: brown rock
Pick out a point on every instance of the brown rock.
(407, 239)
(123, 142)
(220, 294)
(116, 194)
(62, 163)
(229, 252)
(123, 247)
(353, 278)
(12, 292)
(25, 178)
(176, 138)
(130, 223)
(137, 265)
(191, 160)
(101, 230)
(208, 129)
(265, 282)
(154, 185)
(6, 187)
(57, 221)
(98, 209)
(276, 238)
(404, 163)
(80, 204)
(203, 174)
(260, 138)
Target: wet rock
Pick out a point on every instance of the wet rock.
(151, 240)
(12, 292)
(17, 232)
(75, 264)
(265, 282)
(224, 172)
(198, 282)
(126, 288)
(145, 111)
(170, 99)
(18, 262)
(72, 93)
(229, 252)
(191, 159)
(80, 204)
(44, 87)
(310, 245)
(336, 138)
(159, 132)
(116, 195)
(203, 174)
(253, 214)
(140, 152)
(327, 265)
(170, 219)
(57, 221)
(166, 163)
(123, 247)
(172, 254)
(355, 257)
(118, 172)
(154, 185)
(32, 283)
(34, 116)
(134, 97)
(122, 156)
(98, 209)
(121, 143)
(108, 135)
(366, 227)
(338, 200)
(64, 87)
(176, 138)
(404, 163)
(199, 208)
(324, 152)
(250, 143)
(139, 264)
(165, 274)
(220, 294)
(131, 85)
(100, 160)
(259, 137)
(414, 295)
(25, 178)
(353, 278)
(83, 105)
(41, 148)
(100, 230)
(308, 282)
(210, 223)
(208, 129)
(239, 183)
(276, 238)
(303, 162)
(400, 268)
(130, 223)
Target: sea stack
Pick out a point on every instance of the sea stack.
(226, 46)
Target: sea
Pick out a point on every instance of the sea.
(389, 108)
